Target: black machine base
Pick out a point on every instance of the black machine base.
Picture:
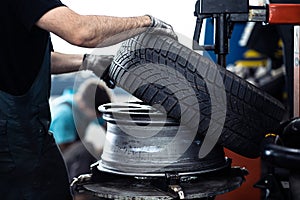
(105, 185)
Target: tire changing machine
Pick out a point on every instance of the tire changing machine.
(124, 174)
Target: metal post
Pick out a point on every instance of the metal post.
(296, 71)
(221, 39)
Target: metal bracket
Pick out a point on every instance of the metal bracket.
(81, 179)
(178, 190)
(173, 182)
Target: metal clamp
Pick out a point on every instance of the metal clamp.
(178, 190)
(81, 179)
(173, 181)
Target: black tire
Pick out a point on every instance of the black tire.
(164, 73)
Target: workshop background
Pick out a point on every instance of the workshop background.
(180, 14)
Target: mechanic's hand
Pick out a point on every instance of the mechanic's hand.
(97, 63)
(160, 26)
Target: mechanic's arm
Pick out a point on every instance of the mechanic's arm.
(64, 63)
(91, 30)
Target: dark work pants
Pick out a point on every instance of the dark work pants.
(49, 181)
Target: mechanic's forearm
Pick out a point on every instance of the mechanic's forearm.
(112, 30)
(91, 30)
(64, 63)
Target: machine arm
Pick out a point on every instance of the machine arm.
(228, 12)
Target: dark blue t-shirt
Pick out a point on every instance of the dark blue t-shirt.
(22, 43)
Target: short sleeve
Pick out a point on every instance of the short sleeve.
(30, 11)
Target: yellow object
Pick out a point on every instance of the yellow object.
(252, 54)
(252, 59)
(270, 135)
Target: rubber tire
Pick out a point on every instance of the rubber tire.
(250, 112)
